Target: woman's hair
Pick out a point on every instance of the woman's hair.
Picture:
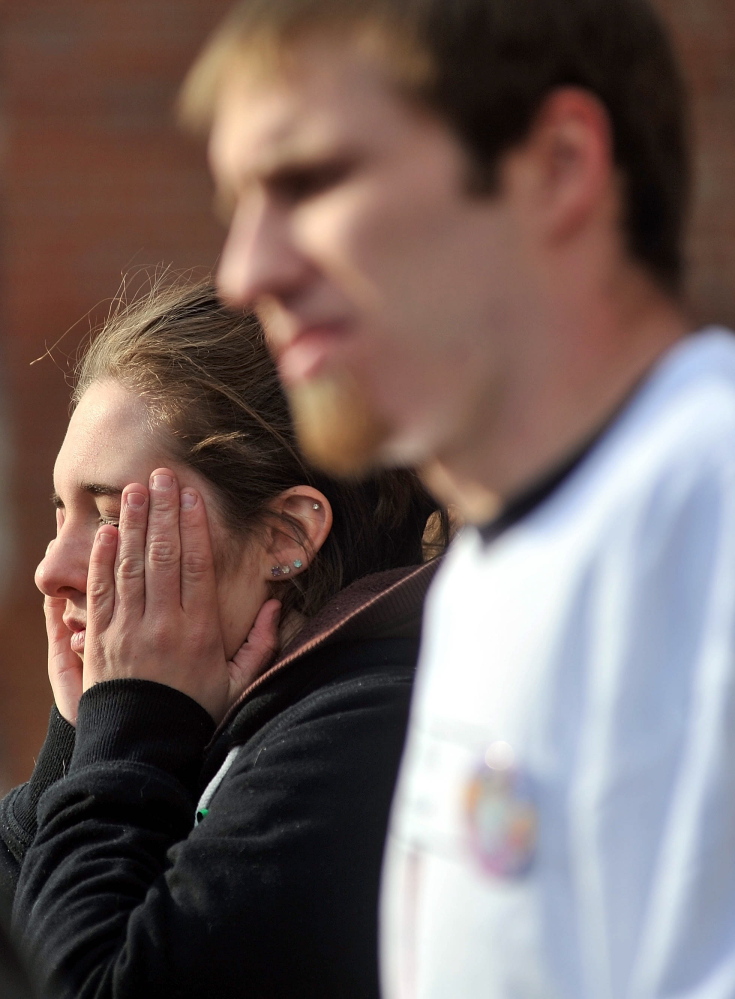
(210, 385)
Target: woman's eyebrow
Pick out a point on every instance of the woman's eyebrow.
(93, 488)
(99, 489)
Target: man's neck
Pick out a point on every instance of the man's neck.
(552, 410)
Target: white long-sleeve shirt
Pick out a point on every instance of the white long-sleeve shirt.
(564, 824)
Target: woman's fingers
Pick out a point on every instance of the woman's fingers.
(256, 653)
(130, 565)
(64, 666)
(163, 544)
(60, 656)
(198, 579)
(56, 630)
(101, 582)
(163, 622)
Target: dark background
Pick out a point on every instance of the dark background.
(96, 181)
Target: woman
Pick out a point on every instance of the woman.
(289, 770)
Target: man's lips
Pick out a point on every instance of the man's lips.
(308, 351)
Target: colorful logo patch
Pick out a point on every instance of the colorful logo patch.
(501, 814)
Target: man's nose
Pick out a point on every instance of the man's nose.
(62, 570)
(259, 259)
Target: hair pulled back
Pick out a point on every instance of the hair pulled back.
(212, 393)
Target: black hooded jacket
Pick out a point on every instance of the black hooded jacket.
(273, 893)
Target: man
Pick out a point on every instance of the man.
(461, 223)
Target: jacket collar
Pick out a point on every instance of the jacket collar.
(370, 607)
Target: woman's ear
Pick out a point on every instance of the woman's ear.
(301, 525)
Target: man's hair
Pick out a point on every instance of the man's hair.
(486, 66)
(216, 404)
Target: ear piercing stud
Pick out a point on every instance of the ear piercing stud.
(285, 570)
(315, 506)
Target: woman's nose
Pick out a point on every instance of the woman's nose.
(63, 570)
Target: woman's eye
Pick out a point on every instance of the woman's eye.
(114, 521)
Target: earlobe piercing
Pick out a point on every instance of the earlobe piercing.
(285, 570)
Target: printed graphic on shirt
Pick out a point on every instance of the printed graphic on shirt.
(501, 814)
(486, 814)
(458, 820)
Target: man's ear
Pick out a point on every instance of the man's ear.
(301, 525)
(565, 168)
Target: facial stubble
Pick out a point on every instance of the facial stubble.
(338, 430)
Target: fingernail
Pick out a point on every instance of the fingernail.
(162, 481)
(105, 538)
(135, 500)
(188, 500)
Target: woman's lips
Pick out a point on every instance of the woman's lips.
(77, 641)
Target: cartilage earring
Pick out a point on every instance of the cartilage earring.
(297, 563)
(314, 506)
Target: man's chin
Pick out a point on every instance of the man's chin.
(337, 430)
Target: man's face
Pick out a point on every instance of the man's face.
(378, 278)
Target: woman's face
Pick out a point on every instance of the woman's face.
(108, 445)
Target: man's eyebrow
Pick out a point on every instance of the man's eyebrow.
(93, 488)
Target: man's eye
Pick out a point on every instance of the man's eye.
(296, 185)
(115, 521)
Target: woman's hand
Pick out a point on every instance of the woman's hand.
(64, 666)
(152, 609)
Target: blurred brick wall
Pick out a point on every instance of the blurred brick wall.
(704, 33)
(96, 180)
